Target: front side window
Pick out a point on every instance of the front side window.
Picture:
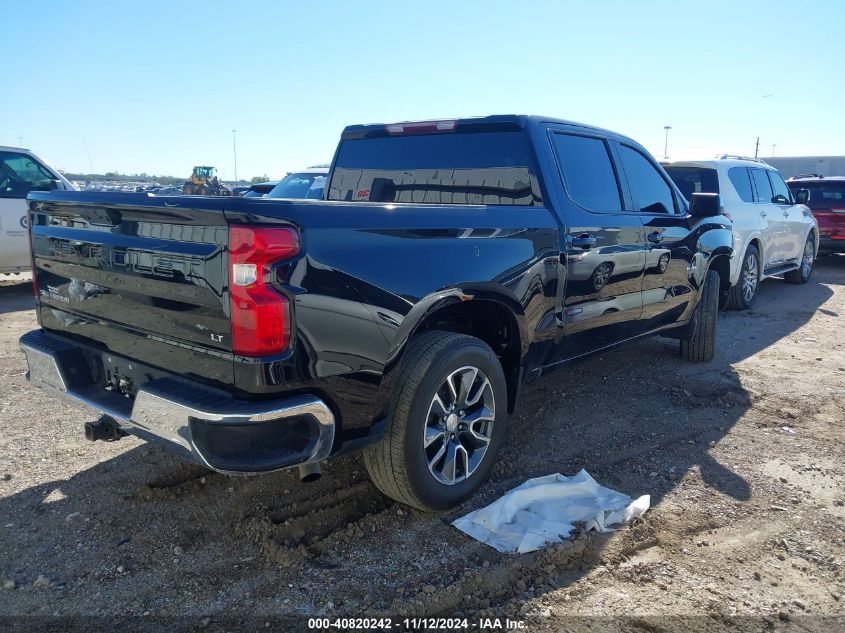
(781, 191)
(20, 174)
(742, 183)
(475, 168)
(762, 184)
(588, 172)
(652, 194)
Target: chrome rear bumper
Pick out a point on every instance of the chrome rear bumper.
(210, 427)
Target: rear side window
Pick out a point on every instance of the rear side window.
(781, 191)
(652, 194)
(449, 168)
(19, 175)
(690, 180)
(762, 184)
(587, 172)
(742, 183)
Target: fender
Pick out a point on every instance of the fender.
(739, 253)
(431, 304)
(714, 238)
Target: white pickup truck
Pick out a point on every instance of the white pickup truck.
(21, 171)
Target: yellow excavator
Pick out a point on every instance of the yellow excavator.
(204, 182)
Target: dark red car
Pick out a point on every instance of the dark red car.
(827, 201)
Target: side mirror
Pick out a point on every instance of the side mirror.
(705, 205)
(802, 196)
(56, 185)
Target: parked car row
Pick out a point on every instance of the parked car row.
(443, 266)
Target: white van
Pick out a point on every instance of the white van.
(21, 171)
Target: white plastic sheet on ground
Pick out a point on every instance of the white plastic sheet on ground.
(545, 509)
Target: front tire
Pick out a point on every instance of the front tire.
(700, 347)
(744, 293)
(802, 274)
(446, 423)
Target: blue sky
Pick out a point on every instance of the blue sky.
(158, 87)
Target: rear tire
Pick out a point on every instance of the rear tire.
(700, 347)
(404, 464)
(802, 274)
(743, 294)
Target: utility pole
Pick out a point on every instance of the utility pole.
(235, 152)
(774, 145)
(20, 141)
(666, 142)
(757, 147)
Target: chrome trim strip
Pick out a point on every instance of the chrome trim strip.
(160, 415)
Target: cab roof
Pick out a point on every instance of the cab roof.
(496, 122)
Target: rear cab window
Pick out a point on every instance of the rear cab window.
(465, 168)
(690, 180)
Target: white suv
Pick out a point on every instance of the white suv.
(773, 233)
(21, 171)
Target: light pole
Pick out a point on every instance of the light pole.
(666, 143)
(774, 145)
(235, 152)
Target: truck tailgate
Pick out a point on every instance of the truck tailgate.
(147, 280)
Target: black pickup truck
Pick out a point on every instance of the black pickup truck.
(450, 263)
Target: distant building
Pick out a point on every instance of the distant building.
(791, 166)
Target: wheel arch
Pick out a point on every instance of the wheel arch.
(495, 318)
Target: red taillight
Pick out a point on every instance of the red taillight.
(421, 127)
(260, 314)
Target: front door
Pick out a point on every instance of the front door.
(19, 174)
(794, 220)
(666, 289)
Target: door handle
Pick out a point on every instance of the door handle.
(763, 214)
(654, 237)
(786, 214)
(584, 241)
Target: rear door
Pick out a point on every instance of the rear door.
(603, 248)
(775, 232)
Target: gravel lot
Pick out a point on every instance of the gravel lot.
(743, 458)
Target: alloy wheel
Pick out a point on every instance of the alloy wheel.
(750, 277)
(459, 425)
(601, 276)
(807, 259)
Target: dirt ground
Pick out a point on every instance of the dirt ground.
(743, 458)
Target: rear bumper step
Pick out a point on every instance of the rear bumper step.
(209, 427)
